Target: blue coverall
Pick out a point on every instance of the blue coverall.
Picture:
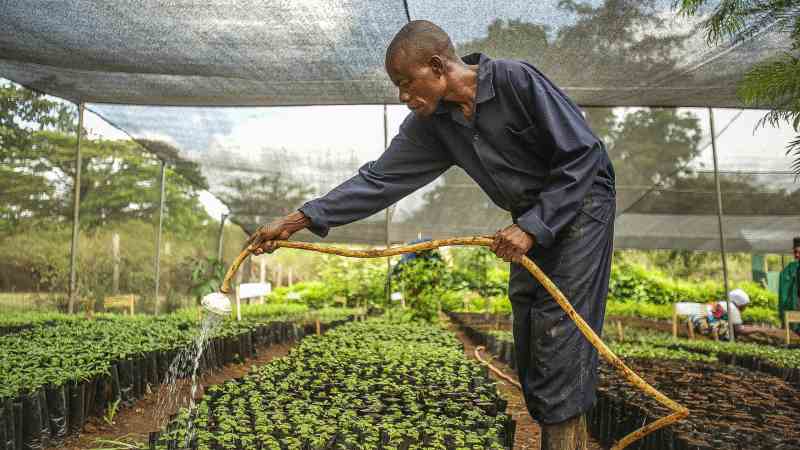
(530, 149)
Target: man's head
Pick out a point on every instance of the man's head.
(796, 248)
(416, 61)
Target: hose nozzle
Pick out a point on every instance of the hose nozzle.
(217, 303)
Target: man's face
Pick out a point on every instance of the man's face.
(421, 85)
(797, 253)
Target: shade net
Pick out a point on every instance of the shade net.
(314, 52)
(265, 162)
(209, 86)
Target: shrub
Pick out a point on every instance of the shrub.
(634, 283)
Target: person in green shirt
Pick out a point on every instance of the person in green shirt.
(788, 286)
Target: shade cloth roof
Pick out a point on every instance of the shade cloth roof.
(316, 52)
(184, 77)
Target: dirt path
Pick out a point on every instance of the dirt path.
(527, 437)
(133, 424)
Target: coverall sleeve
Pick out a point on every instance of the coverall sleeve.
(576, 153)
(412, 160)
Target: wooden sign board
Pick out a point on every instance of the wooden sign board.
(121, 301)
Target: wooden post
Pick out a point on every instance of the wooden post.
(620, 331)
(674, 321)
(115, 258)
(319, 328)
(788, 336)
(262, 262)
(238, 303)
(291, 273)
(789, 318)
(279, 278)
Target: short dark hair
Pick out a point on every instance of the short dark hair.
(796, 242)
(422, 39)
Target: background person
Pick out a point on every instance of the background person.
(789, 286)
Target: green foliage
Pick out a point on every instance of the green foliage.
(358, 281)
(753, 314)
(373, 384)
(478, 269)
(315, 294)
(634, 283)
(780, 357)
(46, 261)
(423, 281)
(207, 277)
(57, 349)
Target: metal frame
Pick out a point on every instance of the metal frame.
(388, 287)
(719, 221)
(220, 237)
(73, 260)
(158, 232)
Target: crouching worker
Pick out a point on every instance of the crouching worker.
(528, 146)
(716, 318)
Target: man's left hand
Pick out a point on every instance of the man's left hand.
(512, 243)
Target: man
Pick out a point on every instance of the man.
(788, 285)
(530, 149)
(716, 318)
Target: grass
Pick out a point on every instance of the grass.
(25, 301)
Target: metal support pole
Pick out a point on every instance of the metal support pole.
(158, 232)
(719, 221)
(221, 234)
(73, 260)
(388, 287)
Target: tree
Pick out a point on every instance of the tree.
(119, 181)
(773, 82)
(259, 199)
(23, 184)
(647, 146)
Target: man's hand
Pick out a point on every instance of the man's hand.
(280, 229)
(512, 243)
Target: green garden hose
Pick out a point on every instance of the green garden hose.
(679, 412)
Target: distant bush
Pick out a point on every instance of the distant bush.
(634, 283)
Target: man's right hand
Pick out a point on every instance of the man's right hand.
(281, 229)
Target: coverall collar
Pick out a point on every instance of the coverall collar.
(485, 80)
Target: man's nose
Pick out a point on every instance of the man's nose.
(404, 97)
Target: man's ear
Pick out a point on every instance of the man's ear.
(437, 65)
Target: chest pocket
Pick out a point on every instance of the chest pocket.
(529, 135)
(526, 153)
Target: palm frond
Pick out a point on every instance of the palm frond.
(793, 148)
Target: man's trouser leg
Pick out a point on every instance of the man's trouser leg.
(557, 366)
(568, 435)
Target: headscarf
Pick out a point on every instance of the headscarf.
(738, 297)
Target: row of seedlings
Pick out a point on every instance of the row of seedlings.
(54, 378)
(366, 385)
(776, 361)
